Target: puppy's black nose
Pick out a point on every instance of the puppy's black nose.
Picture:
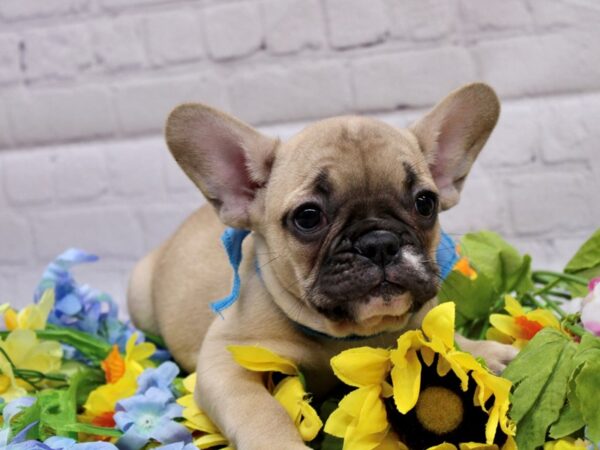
(379, 246)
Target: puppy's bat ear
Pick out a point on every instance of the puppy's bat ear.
(226, 158)
(452, 134)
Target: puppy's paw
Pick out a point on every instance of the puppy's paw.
(496, 355)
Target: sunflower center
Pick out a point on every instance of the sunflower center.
(439, 410)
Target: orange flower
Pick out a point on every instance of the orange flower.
(519, 326)
(113, 365)
(464, 266)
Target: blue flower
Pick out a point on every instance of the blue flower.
(64, 443)
(161, 378)
(177, 446)
(15, 407)
(149, 416)
(80, 306)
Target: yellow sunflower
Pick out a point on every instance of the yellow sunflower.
(519, 326)
(197, 420)
(423, 402)
(289, 391)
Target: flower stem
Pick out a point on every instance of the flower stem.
(559, 275)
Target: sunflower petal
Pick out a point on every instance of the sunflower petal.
(259, 359)
(439, 323)
(362, 366)
(406, 379)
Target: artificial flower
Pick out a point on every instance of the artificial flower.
(423, 397)
(566, 444)
(79, 306)
(23, 350)
(149, 416)
(64, 443)
(590, 311)
(121, 376)
(291, 394)
(32, 317)
(463, 265)
(161, 377)
(361, 417)
(9, 389)
(196, 420)
(519, 326)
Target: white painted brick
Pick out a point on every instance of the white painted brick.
(560, 13)
(15, 241)
(107, 231)
(411, 78)
(541, 251)
(515, 139)
(422, 20)
(118, 43)
(115, 5)
(176, 180)
(160, 221)
(174, 37)
(541, 64)
(233, 30)
(27, 177)
(568, 245)
(57, 52)
(482, 206)
(570, 128)
(5, 134)
(134, 168)
(295, 92)
(292, 25)
(144, 106)
(353, 23)
(40, 116)
(24, 9)
(10, 69)
(542, 202)
(80, 174)
(482, 16)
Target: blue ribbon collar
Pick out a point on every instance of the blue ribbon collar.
(232, 240)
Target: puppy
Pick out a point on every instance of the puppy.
(344, 221)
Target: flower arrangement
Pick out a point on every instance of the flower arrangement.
(73, 376)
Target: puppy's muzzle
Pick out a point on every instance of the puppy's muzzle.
(380, 246)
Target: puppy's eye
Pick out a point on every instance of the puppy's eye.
(308, 218)
(426, 203)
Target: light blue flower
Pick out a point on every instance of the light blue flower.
(64, 443)
(149, 416)
(80, 306)
(177, 446)
(161, 378)
(15, 407)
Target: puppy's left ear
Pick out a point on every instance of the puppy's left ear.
(452, 134)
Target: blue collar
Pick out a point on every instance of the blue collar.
(232, 240)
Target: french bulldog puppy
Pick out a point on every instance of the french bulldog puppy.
(344, 221)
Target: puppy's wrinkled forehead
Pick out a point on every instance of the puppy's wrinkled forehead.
(350, 156)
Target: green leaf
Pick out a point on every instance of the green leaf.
(541, 374)
(92, 429)
(24, 418)
(586, 388)
(499, 261)
(588, 255)
(473, 298)
(570, 420)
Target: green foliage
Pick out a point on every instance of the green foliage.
(555, 389)
(585, 263)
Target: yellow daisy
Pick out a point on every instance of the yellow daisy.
(519, 326)
(290, 391)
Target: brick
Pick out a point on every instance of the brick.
(561, 13)
(570, 128)
(144, 106)
(10, 69)
(108, 277)
(550, 202)
(353, 23)
(422, 20)
(565, 247)
(45, 115)
(118, 43)
(25, 9)
(115, 5)
(515, 139)
(484, 16)
(482, 206)
(57, 52)
(275, 94)
(27, 177)
(159, 222)
(135, 167)
(541, 64)
(233, 30)
(15, 239)
(105, 231)
(5, 134)
(80, 174)
(174, 37)
(409, 79)
(292, 25)
(176, 180)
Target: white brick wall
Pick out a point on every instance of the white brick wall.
(85, 86)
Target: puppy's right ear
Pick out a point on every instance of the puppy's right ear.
(226, 158)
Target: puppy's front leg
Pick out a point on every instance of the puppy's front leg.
(240, 405)
(495, 354)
